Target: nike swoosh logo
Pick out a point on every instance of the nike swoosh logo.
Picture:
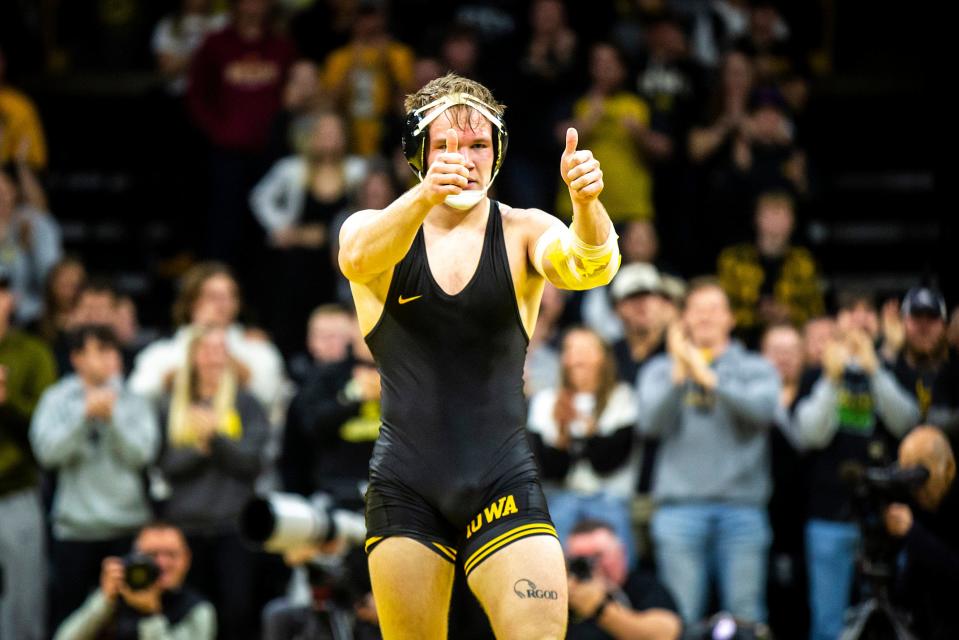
(403, 300)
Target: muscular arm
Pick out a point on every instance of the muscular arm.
(373, 241)
(654, 624)
(585, 255)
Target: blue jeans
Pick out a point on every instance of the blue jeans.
(566, 508)
(830, 557)
(695, 542)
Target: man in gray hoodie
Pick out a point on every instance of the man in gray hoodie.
(98, 437)
(711, 403)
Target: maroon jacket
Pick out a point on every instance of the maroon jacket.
(236, 87)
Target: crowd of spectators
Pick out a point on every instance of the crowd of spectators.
(695, 421)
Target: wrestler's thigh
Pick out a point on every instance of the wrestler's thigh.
(411, 588)
(523, 590)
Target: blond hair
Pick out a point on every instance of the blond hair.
(180, 431)
(449, 84)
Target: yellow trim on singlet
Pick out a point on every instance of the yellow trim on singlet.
(371, 541)
(504, 539)
(449, 552)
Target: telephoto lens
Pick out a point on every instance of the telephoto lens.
(139, 571)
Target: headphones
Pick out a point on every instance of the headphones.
(416, 130)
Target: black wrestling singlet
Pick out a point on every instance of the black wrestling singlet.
(453, 408)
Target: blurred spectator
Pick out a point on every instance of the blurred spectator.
(771, 281)
(644, 310)
(99, 438)
(165, 609)
(639, 243)
(330, 333)
(767, 42)
(583, 435)
(177, 37)
(26, 370)
(209, 297)
(760, 154)
(331, 426)
(717, 24)
(782, 346)
(542, 370)
(297, 202)
(61, 289)
(816, 334)
(614, 124)
(21, 132)
(710, 143)
(673, 84)
(29, 239)
(460, 51)
(613, 602)
(915, 348)
(726, 109)
(301, 96)
(215, 433)
(368, 78)
(711, 403)
(234, 93)
(550, 74)
(96, 302)
(929, 574)
(132, 336)
(850, 412)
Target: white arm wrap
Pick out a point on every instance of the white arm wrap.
(579, 265)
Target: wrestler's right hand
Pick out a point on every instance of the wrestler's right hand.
(448, 174)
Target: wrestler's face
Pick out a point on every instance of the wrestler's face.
(475, 142)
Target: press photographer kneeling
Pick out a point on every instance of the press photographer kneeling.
(606, 600)
(928, 581)
(142, 595)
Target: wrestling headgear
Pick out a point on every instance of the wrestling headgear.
(416, 133)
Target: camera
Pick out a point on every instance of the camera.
(139, 571)
(581, 567)
(874, 489)
(283, 521)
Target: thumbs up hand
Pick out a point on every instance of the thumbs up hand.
(447, 174)
(580, 170)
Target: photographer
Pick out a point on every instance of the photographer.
(162, 610)
(930, 578)
(607, 601)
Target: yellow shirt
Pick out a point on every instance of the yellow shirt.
(628, 190)
(366, 80)
(19, 120)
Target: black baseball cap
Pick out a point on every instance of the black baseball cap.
(924, 300)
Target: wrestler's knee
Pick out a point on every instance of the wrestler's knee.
(539, 625)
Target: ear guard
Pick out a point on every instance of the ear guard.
(416, 130)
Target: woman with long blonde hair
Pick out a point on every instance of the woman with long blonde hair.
(215, 434)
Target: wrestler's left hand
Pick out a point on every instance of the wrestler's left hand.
(580, 170)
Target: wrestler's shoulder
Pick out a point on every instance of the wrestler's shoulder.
(532, 218)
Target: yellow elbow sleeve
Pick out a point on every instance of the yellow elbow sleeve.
(578, 265)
